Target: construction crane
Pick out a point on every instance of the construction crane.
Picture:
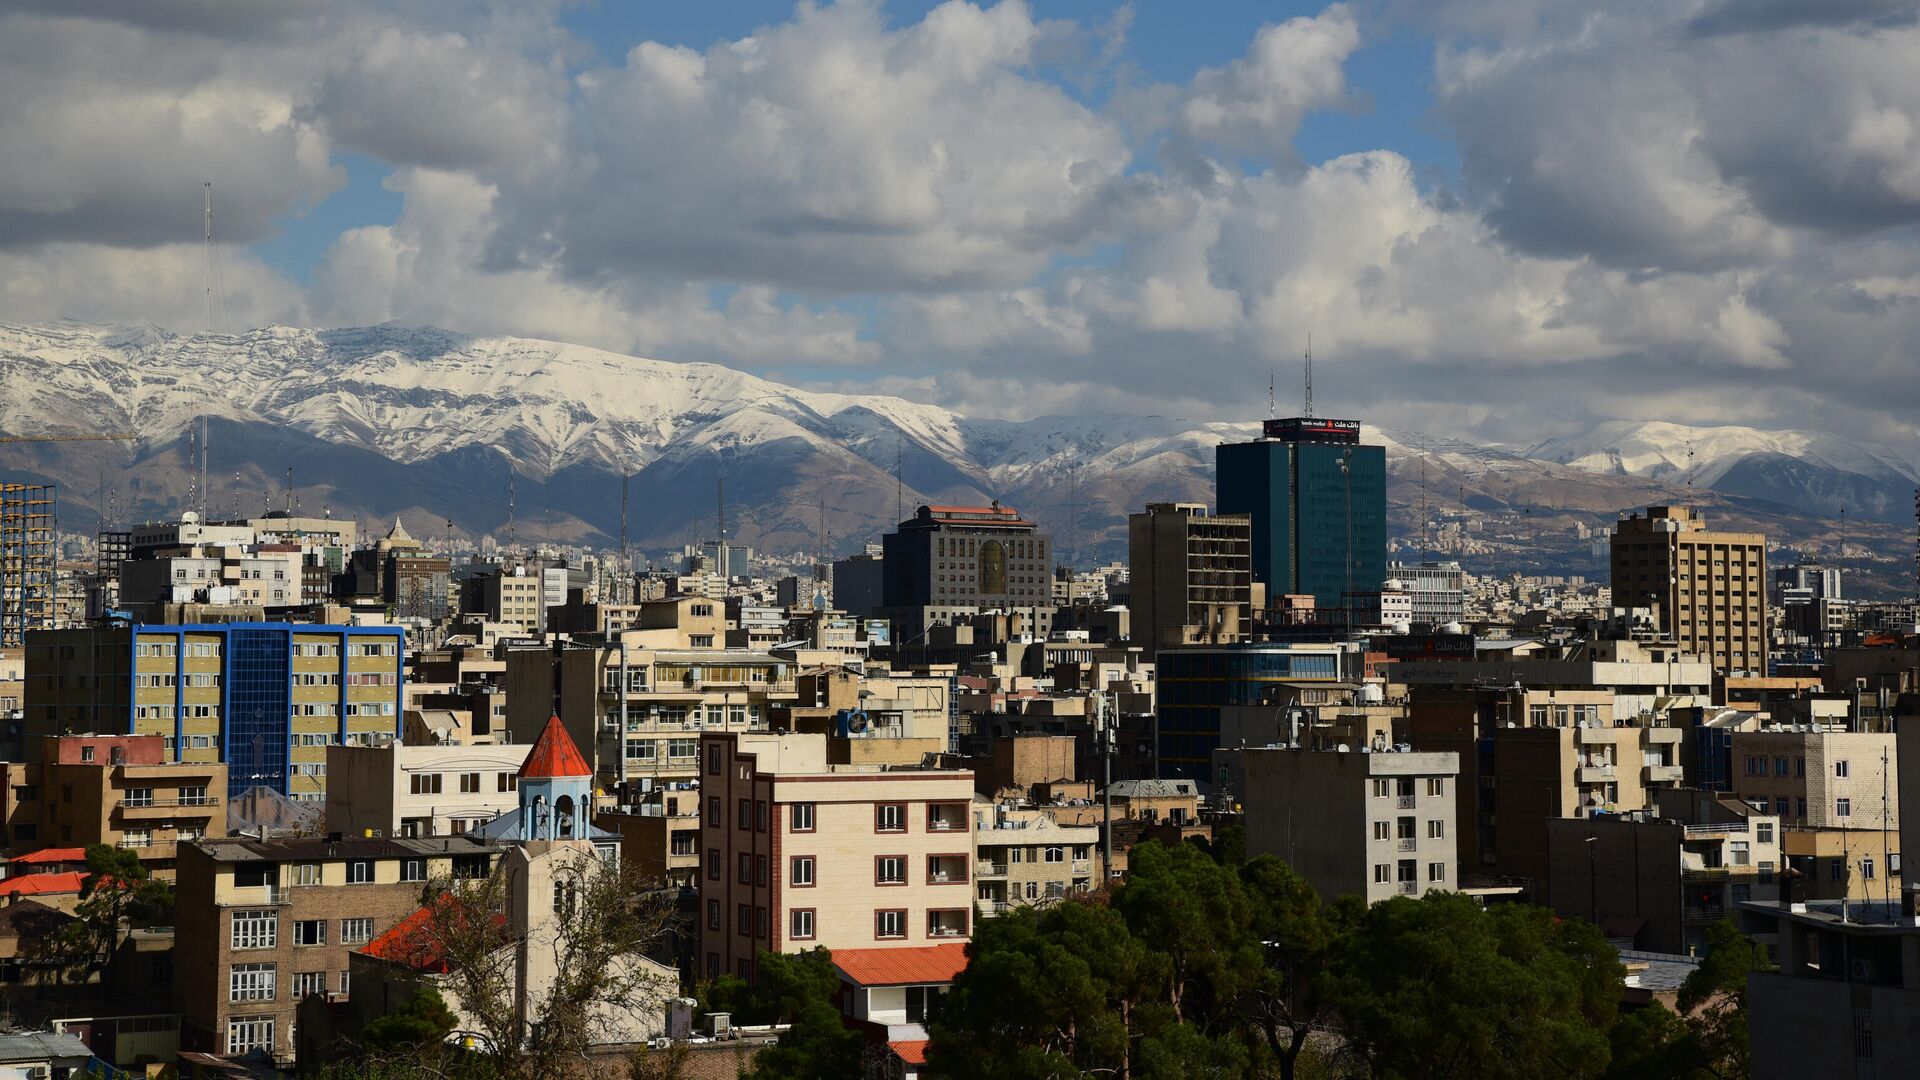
(110, 436)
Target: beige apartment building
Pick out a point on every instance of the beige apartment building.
(1532, 755)
(1855, 864)
(1820, 779)
(420, 791)
(1374, 825)
(677, 686)
(1190, 574)
(1024, 856)
(799, 853)
(112, 789)
(1710, 588)
(262, 924)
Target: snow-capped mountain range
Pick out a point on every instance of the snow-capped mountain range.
(388, 420)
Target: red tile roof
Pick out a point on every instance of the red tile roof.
(906, 966)
(52, 855)
(911, 1051)
(38, 884)
(413, 943)
(554, 754)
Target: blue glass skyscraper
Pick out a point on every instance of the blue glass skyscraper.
(1318, 498)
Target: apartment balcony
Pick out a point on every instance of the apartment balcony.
(1663, 774)
(946, 869)
(990, 908)
(1711, 913)
(1665, 736)
(1408, 843)
(985, 870)
(1083, 866)
(1594, 774)
(209, 804)
(1406, 802)
(172, 770)
(1599, 736)
(1705, 873)
(1407, 888)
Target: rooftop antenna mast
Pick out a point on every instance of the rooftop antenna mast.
(1309, 375)
(900, 479)
(513, 541)
(193, 456)
(720, 515)
(626, 561)
(289, 491)
(207, 326)
(206, 433)
(1426, 519)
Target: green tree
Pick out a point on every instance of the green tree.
(1714, 1001)
(1050, 993)
(1291, 995)
(1440, 987)
(1197, 912)
(1652, 1042)
(117, 895)
(422, 1022)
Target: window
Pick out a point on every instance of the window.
(426, 783)
(359, 871)
(250, 1034)
(306, 873)
(800, 925)
(469, 783)
(356, 931)
(760, 870)
(1436, 785)
(713, 914)
(310, 931)
(760, 816)
(802, 871)
(255, 930)
(1866, 868)
(1780, 767)
(890, 817)
(1436, 829)
(1436, 871)
(1840, 769)
(506, 781)
(1843, 808)
(714, 819)
(802, 816)
(682, 749)
(1740, 853)
(1838, 871)
(1382, 873)
(413, 869)
(309, 982)
(760, 922)
(1763, 832)
(566, 898)
(251, 982)
(346, 981)
(1382, 830)
(743, 920)
(745, 875)
(713, 864)
(890, 870)
(139, 796)
(890, 924)
(713, 760)
(744, 818)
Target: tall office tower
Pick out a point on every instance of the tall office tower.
(1318, 500)
(1710, 588)
(1191, 575)
(948, 562)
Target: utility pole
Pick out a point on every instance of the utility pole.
(1105, 722)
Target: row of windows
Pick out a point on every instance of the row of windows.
(168, 649)
(949, 869)
(887, 817)
(431, 783)
(259, 982)
(677, 749)
(1407, 872)
(888, 923)
(1757, 766)
(261, 929)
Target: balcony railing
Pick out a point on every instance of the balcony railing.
(1592, 773)
(1408, 888)
(1083, 866)
(150, 804)
(987, 870)
(1406, 802)
(944, 931)
(1408, 843)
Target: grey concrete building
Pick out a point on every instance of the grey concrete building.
(1191, 575)
(1373, 824)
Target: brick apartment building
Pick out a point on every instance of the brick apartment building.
(262, 924)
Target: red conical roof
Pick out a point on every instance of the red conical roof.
(554, 755)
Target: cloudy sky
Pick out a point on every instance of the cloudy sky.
(1500, 219)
